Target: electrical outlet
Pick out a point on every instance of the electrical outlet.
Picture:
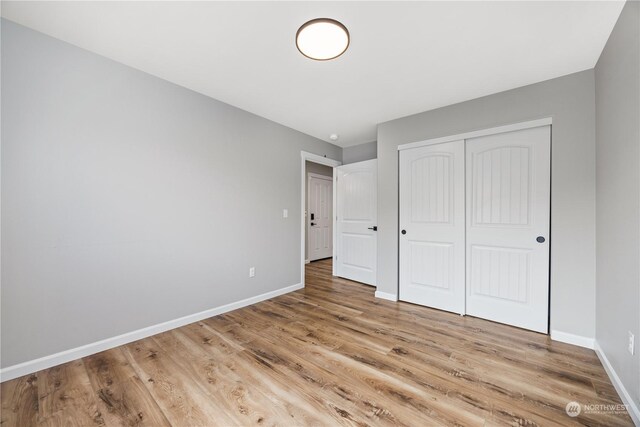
(631, 343)
(252, 271)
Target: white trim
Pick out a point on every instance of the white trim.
(387, 296)
(306, 261)
(335, 224)
(315, 158)
(475, 134)
(45, 362)
(304, 157)
(632, 406)
(568, 338)
(318, 176)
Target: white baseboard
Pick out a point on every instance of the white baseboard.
(568, 338)
(386, 295)
(634, 410)
(45, 362)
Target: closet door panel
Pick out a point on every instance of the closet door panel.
(508, 209)
(432, 248)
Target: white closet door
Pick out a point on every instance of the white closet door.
(432, 248)
(508, 189)
(356, 221)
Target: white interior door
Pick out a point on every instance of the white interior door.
(432, 236)
(508, 202)
(320, 217)
(356, 221)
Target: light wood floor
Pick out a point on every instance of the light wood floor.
(330, 354)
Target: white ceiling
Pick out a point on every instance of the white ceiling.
(404, 57)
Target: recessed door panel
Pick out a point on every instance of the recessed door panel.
(358, 251)
(432, 265)
(498, 272)
(501, 193)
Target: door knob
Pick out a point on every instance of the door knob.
(540, 239)
(404, 231)
(313, 223)
(374, 228)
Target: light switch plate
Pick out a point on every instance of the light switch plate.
(285, 213)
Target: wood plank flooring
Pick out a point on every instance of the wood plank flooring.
(330, 354)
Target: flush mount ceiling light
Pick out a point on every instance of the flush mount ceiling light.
(322, 39)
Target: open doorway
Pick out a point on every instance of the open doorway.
(319, 212)
(318, 201)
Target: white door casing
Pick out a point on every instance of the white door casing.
(432, 226)
(356, 221)
(322, 160)
(508, 209)
(320, 217)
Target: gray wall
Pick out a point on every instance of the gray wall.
(617, 78)
(360, 153)
(570, 102)
(318, 169)
(128, 201)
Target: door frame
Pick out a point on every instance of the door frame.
(308, 227)
(315, 158)
(546, 121)
(475, 134)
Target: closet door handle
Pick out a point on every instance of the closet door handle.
(540, 239)
(404, 231)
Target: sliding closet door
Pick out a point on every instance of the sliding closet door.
(432, 226)
(508, 189)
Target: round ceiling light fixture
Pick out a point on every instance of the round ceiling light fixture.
(334, 136)
(322, 39)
